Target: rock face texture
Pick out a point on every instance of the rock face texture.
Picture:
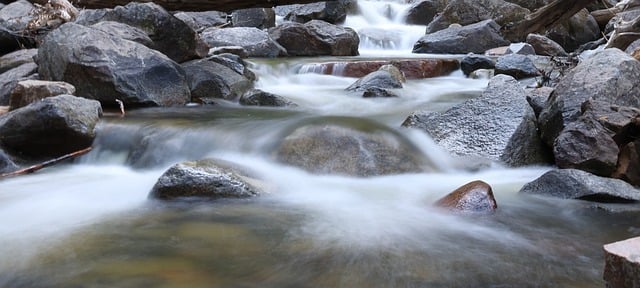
(475, 38)
(209, 178)
(29, 91)
(465, 12)
(210, 79)
(316, 38)
(105, 68)
(473, 197)
(622, 263)
(256, 42)
(334, 12)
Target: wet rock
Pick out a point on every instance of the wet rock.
(209, 79)
(209, 178)
(474, 197)
(578, 184)
(423, 11)
(17, 58)
(545, 46)
(316, 38)
(255, 41)
(474, 38)
(50, 128)
(10, 78)
(622, 263)
(380, 79)
(124, 31)
(6, 163)
(257, 97)
(377, 92)
(349, 146)
(111, 68)
(484, 126)
(521, 48)
(516, 65)
(410, 68)
(261, 18)
(334, 12)
(610, 75)
(170, 35)
(579, 29)
(198, 21)
(29, 91)
(465, 12)
(474, 62)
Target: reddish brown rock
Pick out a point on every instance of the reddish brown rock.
(622, 263)
(29, 91)
(476, 197)
(411, 68)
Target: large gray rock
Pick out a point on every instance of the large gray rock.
(379, 79)
(209, 178)
(14, 18)
(261, 18)
(465, 12)
(334, 12)
(17, 58)
(170, 35)
(198, 21)
(106, 68)
(10, 78)
(610, 76)
(255, 41)
(316, 38)
(210, 79)
(50, 128)
(622, 263)
(475, 38)
(578, 184)
(473, 197)
(124, 31)
(485, 126)
(423, 11)
(579, 29)
(517, 66)
(349, 147)
(257, 97)
(545, 46)
(29, 91)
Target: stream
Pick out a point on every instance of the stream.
(90, 223)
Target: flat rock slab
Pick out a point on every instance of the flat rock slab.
(622, 263)
(411, 68)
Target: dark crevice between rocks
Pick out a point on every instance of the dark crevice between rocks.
(603, 198)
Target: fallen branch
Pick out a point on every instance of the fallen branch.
(37, 167)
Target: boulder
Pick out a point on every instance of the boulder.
(334, 12)
(485, 126)
(377, 92)
(50, 128)
(423, 11)
(517, 66)
(257, 97)
(209, 79)
(622, 263)
(198, 21)
(170, 35)
(106, 68)
(578, 184)
(29, 91)
(316, 38)
(410, 68)
(474, 38)
(209, 178)
(349, 146)
(13, 20)
(9, 79)
(610, 75)
(6, 163)
(521, 48)
(255, 41)
(124, 31)
(379, 79)
(261, 18)
(465, 12)
(17, 58)
(474, 62)
(473, 197)
(545, 46)
(579, 29)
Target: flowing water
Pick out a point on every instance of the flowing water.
(90, 223)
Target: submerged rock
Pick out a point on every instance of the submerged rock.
(476, 38)
(209, 178)
(384, 78)
(258, 97)
(622, 263)
(475, 197)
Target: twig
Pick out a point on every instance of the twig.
(37, 167)
(121, 104)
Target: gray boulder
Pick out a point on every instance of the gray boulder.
(610, 75)
(475, 38)
(379, 79)
(517, 66)
(17, 58)
(255, 41)
(473, 197)
(578, 184)
(334, 12)
(170, 35)
(50, 128)
(349, 146)
(10, 78)
(29, 91)
(106, 68)
(485, 126)
(579, 29)
(209, 178)
(210, 79)
(124, 31)
(474, 62)
(422, 12)
(198, 21)
(257, 97)
(316, 38)
(465, 12)
(13, 20)
(261, 18)
(545, 46)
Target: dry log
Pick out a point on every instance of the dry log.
(188, 5)
(544, 18)
(37, 167)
